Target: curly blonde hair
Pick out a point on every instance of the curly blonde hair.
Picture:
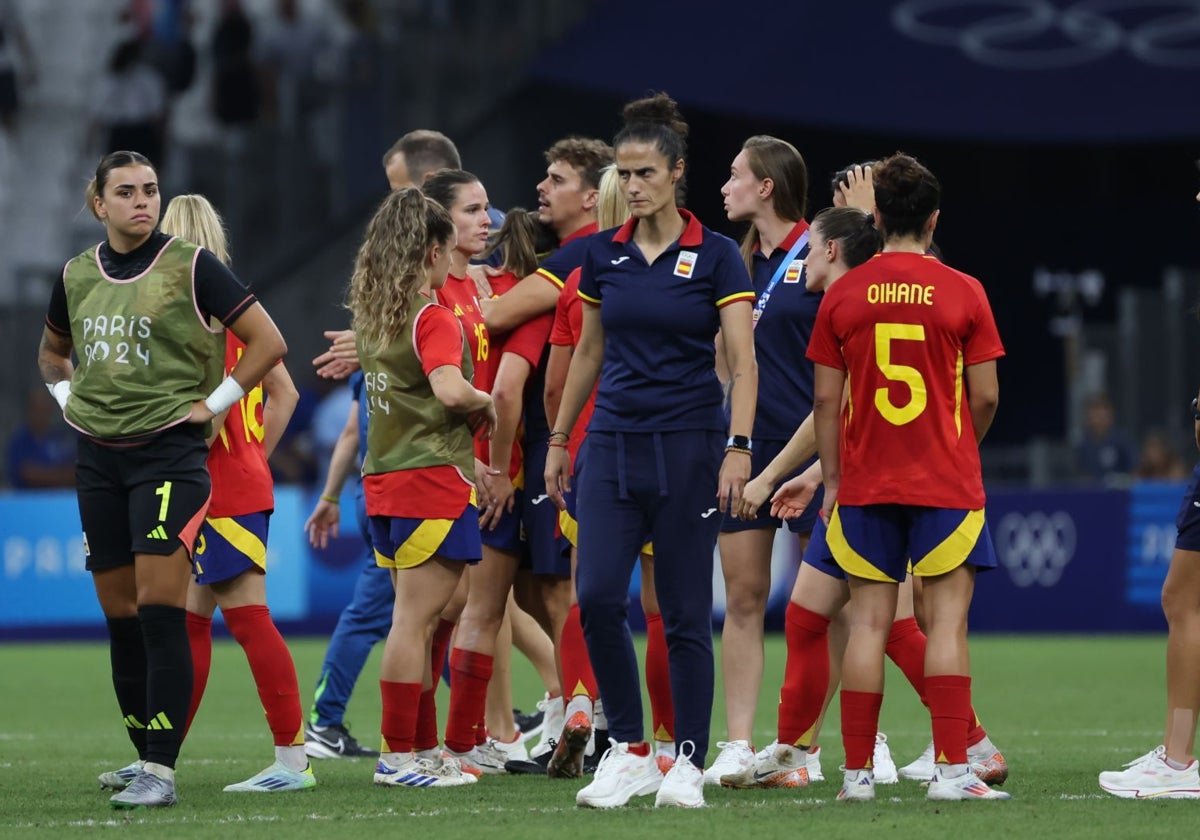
(390, 267)
(192, 217)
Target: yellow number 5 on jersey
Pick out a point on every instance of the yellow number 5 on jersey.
(885, 334)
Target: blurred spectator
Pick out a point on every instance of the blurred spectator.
(290, 50)
(293, 461)
(130, 107)
(169, 47)
(1106, 453)
(1159, 460)
(237, 95)
(12, 38)
(41, 452)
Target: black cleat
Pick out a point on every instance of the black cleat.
(333, 741)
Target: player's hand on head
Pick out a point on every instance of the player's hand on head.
(859, 189)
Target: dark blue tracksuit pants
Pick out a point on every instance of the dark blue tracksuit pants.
(663, 484)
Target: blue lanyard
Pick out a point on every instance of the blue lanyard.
(796, 248)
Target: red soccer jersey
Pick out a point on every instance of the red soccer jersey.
(527, 341)
(237, 462)
(568, 326)
(460, 296)
(904, 326)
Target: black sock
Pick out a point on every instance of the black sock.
(128, 655)
(168, 680)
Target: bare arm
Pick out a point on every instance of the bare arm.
(528, 299)
(455, 392)
(738, 333)
(508, 392)
(983, 389)
(282, 398)
(827, 409)
(581, 380)
(264, 347)
(54, 357)
(323, 522)
(557, 366)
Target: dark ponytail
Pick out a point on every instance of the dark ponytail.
(854, 229)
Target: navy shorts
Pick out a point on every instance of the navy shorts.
(509, 534)
(876, 542)
(818, 555)
(402, 543)
(764, 453)
(143, 498)
(549, 552)
(1188, 518)
(231, 545)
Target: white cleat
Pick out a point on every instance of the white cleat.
(620, 776)
(276, 778)
(734, 758)
(775, 766)
(554, 718)
(421, 773)
(683, 786)
(963, 788)
(922, 769)
(482, 759)
(857, 786)
(882, 764)
(812, 762)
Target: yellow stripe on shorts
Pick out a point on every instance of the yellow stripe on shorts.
(850, 561)
(569, 527)
(423, 544)
(244, 541)
(953, 551)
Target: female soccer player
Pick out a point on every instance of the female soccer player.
(767, 187)
(901, 470)
(136, 309)
(231, 557)
(657, 290)
(423, 411)
(1170, 770)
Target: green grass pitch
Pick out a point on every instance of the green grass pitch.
(1061, 709)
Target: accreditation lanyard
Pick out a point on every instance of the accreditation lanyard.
(788, 258)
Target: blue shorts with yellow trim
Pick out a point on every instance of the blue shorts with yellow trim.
(509, 533)
(876, 542)
(1188, 518)
(403, 543)
(548, 553)
(568, 522)
(230, 545)
(818, 555)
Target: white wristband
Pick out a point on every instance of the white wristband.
(60, 390)
(224, 395)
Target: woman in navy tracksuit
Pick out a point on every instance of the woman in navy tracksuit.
(660, 465)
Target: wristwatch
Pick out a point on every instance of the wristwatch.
(741, 442)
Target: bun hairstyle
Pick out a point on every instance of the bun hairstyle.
(656, 120)
(111, 161)
(906, 194)
(854, 229)
(390, 267)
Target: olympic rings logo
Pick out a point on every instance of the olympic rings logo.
(1035, 547)
(1036, 35)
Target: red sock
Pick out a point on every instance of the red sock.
(950, 708)
(976, 732)
(273, 670)
(470, 673)
(906, 647)
(860, 722)
(576, 666)
(427, 729)
(399, 715)
(199, 630)
(642, 748)
(806, 675)
(658, 680)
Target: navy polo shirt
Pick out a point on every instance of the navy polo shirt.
(660, 321)
(559, 264)
(785, 376)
